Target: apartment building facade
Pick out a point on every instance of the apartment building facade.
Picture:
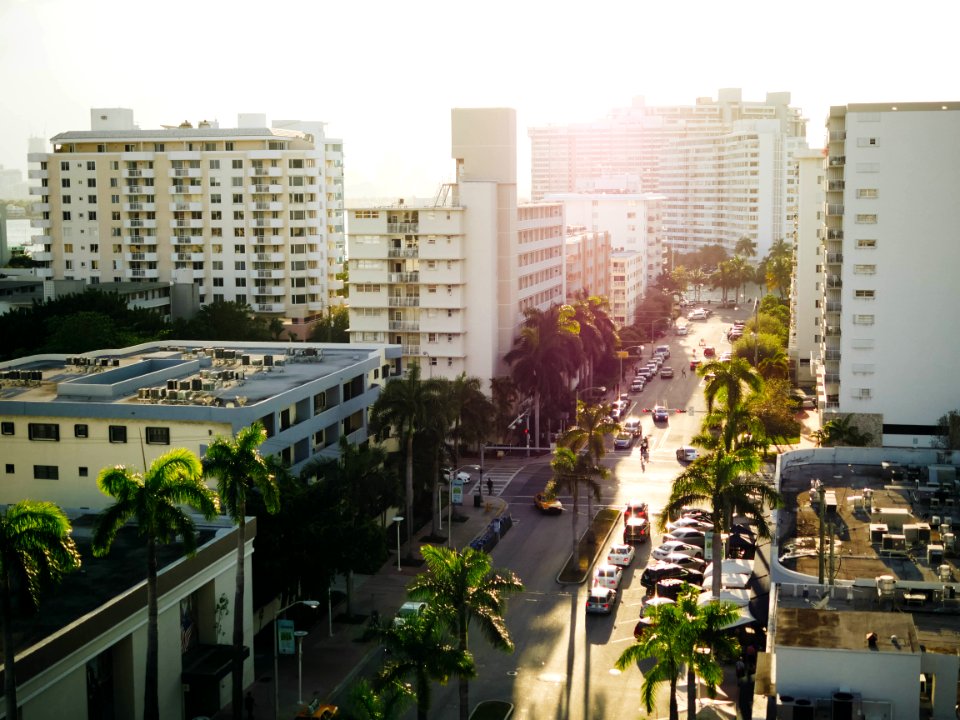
(249, 214)
(449, 280)
(724, 166)
(587, 263)
(888, 268)
(803, 345)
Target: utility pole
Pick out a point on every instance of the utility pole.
(833, 572)
(821, 494)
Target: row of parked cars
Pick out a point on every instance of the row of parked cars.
(605, 589)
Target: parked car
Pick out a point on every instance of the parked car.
(660, 414)
(682, 330)
(663, 570)
(690, 522)
(687, 535)
(462, 476)
(698, 314)
(804, 401)
(632, 425)
(694, 364)
(547, 505)
(636, 530)
(676, 546)
(622, 441)
(408, 610)
(662, 350)
(695, 512)
(666, 372)
(601, 600)
(621, 555)
(637, 385)
(608, 576)
(709, 351)
(688, 561)
(686, 453)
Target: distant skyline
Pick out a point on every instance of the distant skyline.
(384, 75)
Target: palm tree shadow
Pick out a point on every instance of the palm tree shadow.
(563, 707)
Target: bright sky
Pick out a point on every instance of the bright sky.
(385, 74)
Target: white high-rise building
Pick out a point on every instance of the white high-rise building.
(449, 280)
(249, 214)
(724, 165)
(888, 286)
(804, 341)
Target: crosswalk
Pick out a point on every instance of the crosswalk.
(498, 477)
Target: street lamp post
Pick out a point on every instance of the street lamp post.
(398, 519)
(601, 388)
(300, 634)
(313, 604)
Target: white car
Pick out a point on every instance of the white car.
(461, 476)
(607, 576)
(686, 454)
(689, 522)
(687, 535)
(676, 546)
(682, 330)
(687, 561)
(408, 610)
(698, 314)
(621, 555)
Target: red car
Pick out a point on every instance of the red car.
(635, 508)
(694, 364)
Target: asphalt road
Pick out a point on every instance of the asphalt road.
(563, 666)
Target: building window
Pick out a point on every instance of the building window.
(81, 431)
(863, 319)
(865, 269)
(228, 146)
(46, 472)
(214, 164)
(8, 468)
(118, 433)
(237, 164)
(866, 243)
(867, 193)
(83, 471)
(158, 436)
(864, 294)
(44, 431)
(867, 218)
(6, 428)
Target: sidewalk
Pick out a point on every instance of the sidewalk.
(330, 662)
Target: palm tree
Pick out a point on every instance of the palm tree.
(239, 470)
(463, 587)
(777, 366)
(154, 499)
(35, 548)
(676, 637)
(590, 433)
(471, 411)
(503, 392)
(727, 381)
(571, 471)
(728, 482)
(404, 404)
(545, 355)
(598, 335)
(420, 650)
(842, 431)
(745, 247)
(779, 274)
(386, 703)
(440, 424)
(697, 279)
(740, 272)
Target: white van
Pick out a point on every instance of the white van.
(632, 425)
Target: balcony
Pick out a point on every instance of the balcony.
(412, 350)
(45, 256)
(268, 292)
(315, 305)
(837, 160)
(834, 306)
(187, 240)
(834, 281)
(836, 185)
(403, 277)
(183, 206)
(261, 171)
(40, 207)
(404, 302)
(833, 234)
(140, 223)
(269, 307)
(272, 205)
(834, 209)
(190, 257)
(186, 189)
(140, 239)
(34, 190)
(261, 188)
(270, 274)
(405, 325)
(267, 222)
(42, 223)
(403, 252)
(269, 257)
(139, 173)
(832, 331)
(38, 174)
(140, 207)
(404, 228)
(838, 135)
(185, 172)
(140, 257)
(834, 258)
(135, 189)
(186, 223)
(142, 274)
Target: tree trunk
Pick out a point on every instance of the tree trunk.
(409, 491)
(573, 520)
(536, 418)
(691, 693)
(464, 682)
(236, 668)
(674, 709)
(435, 492)
(716, 555)
(9, 651)
(151, 685)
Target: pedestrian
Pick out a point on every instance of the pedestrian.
(489, 486)
(741, 670)
(249, 703)
(683, 371)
